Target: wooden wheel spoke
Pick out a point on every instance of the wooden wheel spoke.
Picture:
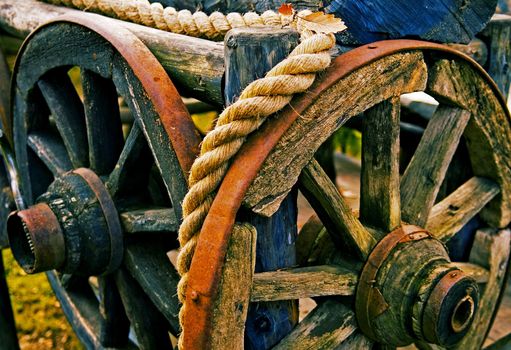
(104, 129)
(132, 168)
(379, 187)
(149, 220)
(147, 322)
(303, 282)
(331, 322)
(450, 215)
(333, 211)
(50, 149)
(115, 325)
(424, 175)
(148, 263)
(67, 111)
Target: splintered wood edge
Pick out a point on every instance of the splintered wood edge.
(387, 77)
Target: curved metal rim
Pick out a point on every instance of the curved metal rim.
(207, 263)
(167, 102)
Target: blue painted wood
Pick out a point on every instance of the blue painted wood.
(249, 55)
(504, 6)
(434, 20)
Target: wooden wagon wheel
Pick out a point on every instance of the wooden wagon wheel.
(407, 289)
(100, 203)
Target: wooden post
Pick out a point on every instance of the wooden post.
(497, 36)
(250, 53)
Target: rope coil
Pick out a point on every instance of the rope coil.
(258, 100)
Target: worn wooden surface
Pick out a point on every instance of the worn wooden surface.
(504, 6)
(184, 58)
(303, 282)
(490, 250)
(149, 220)
(487, 134)
(424, 175)
(231, 306)
(379, 193)
(439, 20)
(378, 81)
(326, 327)
(267, 322)
(497, 35)
(115, 326)
(450, 215)
(344, 227)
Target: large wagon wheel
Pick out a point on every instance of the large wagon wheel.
(407, 289)
(100, 204)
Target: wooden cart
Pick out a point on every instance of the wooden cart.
(99, 176)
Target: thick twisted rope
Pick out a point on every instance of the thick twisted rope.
(169, 19)
(258, 100)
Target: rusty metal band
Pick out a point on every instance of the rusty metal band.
(111, 217)
(369, 302)
(208, 260)
(161, 91)
(434, 303)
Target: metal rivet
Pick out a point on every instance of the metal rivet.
(194, 295)
(372, 47)
(454, 274)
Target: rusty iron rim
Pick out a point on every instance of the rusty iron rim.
(167, 102)
(207, 263)
(369, 302)
(109, 213)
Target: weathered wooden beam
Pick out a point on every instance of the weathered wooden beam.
(451, 214)
(305, 282)
(267, 322)
(326, 327)
(497, 35)
(435, 20)
(423, 177)
(149, 220)
(194, 65)
(231, 306)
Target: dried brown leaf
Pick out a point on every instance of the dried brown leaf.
(319, 22)
(286, 9)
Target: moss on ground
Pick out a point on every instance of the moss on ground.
(39, 319)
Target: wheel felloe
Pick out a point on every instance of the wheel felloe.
(74, 228)
(409, 290)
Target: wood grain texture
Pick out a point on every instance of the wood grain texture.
(306, 238)
(344, 228)
(368, 86)
(149, 220)
(231, 306)
(379, 185)
(433, 20)
(451, 214)
(498, 36)
(304, 282)
(267, 322)
(487, 135)
(51, 150)
(490, 250)
(115, 326)
(326, 327)
(424, 175)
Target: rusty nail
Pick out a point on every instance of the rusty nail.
(194, 296)
(454, 274)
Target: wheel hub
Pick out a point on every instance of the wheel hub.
(409, 290)
(73, 228)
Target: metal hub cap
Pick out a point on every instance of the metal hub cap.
(74, 228)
